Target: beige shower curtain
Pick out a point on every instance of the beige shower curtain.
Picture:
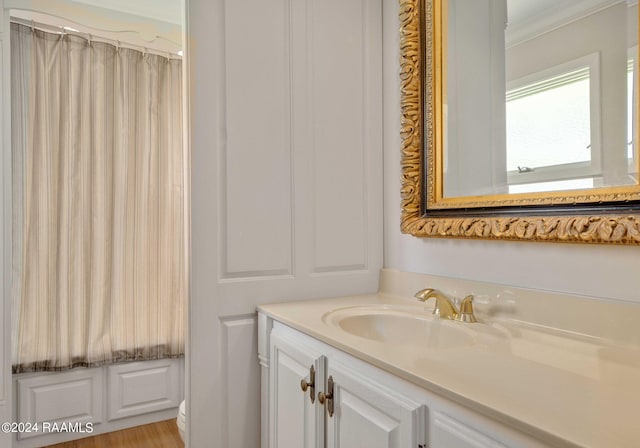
(98, 200)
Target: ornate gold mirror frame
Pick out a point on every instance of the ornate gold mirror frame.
(578, 217)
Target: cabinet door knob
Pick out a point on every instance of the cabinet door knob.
(322, 398)
(304, 385)
(328, 397)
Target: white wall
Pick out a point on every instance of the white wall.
(286, 145)
(600, 271)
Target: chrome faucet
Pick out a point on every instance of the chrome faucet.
(445, 309)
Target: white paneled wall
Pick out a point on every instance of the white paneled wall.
(110, 398)
(286, 144)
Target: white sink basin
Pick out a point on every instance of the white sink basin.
(401, 325)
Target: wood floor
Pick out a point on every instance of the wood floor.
(156, 435)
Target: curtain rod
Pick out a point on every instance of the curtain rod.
(62, 30)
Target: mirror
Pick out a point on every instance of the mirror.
(520, 119)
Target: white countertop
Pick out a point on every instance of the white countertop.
(563, 389)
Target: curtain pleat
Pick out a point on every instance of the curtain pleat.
(99, 211)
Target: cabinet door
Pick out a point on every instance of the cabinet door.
(368, 414)
(446, 432)
(294, 421)
(455, 427)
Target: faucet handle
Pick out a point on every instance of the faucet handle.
(424, 294)
(466, 311)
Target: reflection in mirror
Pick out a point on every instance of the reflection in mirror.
(538, 96)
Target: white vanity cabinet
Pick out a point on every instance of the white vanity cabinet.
(366, 412)
(296, 417)
(453, 426)
(372, 408)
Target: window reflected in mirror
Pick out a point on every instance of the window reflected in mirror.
(539, 96)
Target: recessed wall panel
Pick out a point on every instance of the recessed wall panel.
(142, 387)
(345, 102)
(71, 397)
(256, 178)
(241, 380)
